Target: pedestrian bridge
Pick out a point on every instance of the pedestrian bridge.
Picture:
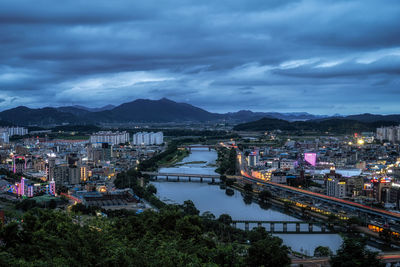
(286, 227)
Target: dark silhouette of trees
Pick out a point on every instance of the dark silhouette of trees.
(353, 253)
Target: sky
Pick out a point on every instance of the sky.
(322, 57)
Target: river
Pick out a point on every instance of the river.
(211, 198)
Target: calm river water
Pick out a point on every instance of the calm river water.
(211, 198)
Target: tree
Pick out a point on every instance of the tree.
(189, 208)
(26, 204)
(208, 216)
(264, 195)
(229, 182)
(151, 189)
(222, 178)
(267, 252)
(353, 253)
(322, 251)
(52, 204)
(248, 188)
(225, 219)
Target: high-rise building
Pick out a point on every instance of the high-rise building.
(4, 137)
(19, 164)
(335, 184)
(391, 134)
(113, 138)
(51, 164)
(17, 131)
(253, 159)
(145, 138)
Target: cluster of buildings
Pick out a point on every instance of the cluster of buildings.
(145, 138)
(83, 170)
(354, 168)
(7, 132)
(391, 134)
(113, 138)
(138, 139)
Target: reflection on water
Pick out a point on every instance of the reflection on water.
(211, 198)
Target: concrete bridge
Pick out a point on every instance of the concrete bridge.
(177, 176)
(270, 226)
(200, 146)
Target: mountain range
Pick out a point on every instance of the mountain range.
(159, 111)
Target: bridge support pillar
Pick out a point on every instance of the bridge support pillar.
(190, 179)
(323, 228)
(213, 180)
(297, 227)
(259, 224)
(166, 177)
(246, 226)
(234, 224)
(178, 178)
(284, 227)
(272, 227)
(201, 179)
(310, 227)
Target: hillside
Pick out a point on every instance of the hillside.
(334, 125)
(42, 116)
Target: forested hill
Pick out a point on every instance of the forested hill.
(327, 125)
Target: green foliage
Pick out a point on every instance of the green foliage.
(265, 196)
(153, 163)
(333, 125)
(248, 188)
(189, 208)
(353, 253)
(322, 251)
(171, 237)
(151, 189)
(226, 161)
(266, 250)
(80, 208)
(26, 204)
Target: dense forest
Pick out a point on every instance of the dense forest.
(337, 126)
(175, 236)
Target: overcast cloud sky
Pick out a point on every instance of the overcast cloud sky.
(322, 57)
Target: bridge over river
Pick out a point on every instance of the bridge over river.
(176, 176)
(281, 227)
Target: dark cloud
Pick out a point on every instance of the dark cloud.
(220, 55)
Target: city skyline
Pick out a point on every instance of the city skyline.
(321, 57)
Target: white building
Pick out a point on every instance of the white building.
(287, 164)
(278, 177)
(17, 131)
(391, 134)
(336, 187)
(14, 130)
(4, 137)
(253, 159)
(145, 138)
(113, 138)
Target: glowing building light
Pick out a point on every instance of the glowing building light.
(52, 188)
(360, 141)
(21, 187)
(30, 191)
(310, 158)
